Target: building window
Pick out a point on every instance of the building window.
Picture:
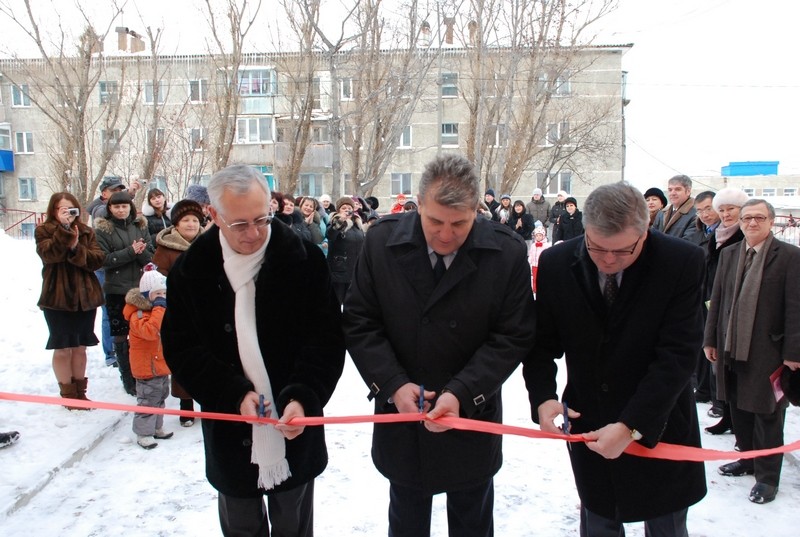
(269, 176)
(258, 82)
(346, 89)
(20, 95)
(553, 182)
(789, 191)
(27, 189)
(310, 185)
(160, 135)
(498, 135)
(405, 137)
(449, 84)
(197, 140)
(153, 94)
(320, 134)
(749, 191)
(253, 130)
(2, 186)
(768, 192)
(316, 93)
(109, 91)
(109, 140)
(557, 133)
(5, 137)
(563, 86)
(450, 134)
(401, 184)
(24, 142)
(159, 182)
(198, 91)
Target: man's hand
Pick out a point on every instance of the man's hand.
(293, 410)
(711, 353)
(249, 406)
(446, 406)
(406, 398)
(794, 366)
(549, 411)
(609, 441)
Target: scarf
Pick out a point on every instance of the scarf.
(743, 310)
(269, 448)
(722, 234)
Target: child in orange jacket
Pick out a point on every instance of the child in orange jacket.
(144, 311)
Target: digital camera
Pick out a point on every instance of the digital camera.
(74, 211)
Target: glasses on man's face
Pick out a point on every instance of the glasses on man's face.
(616, 253)
(759, 219)
(705, 210)
(241, 227)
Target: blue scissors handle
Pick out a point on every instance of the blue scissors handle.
(262, 411)
(565, 424)
(421, 398)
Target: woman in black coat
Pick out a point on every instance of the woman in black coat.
(345, 239)
(570, 223)
(521, 222)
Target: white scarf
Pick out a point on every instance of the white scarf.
(269, 447)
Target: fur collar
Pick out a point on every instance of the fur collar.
(106, 225)
(137, 299)
(170, 238)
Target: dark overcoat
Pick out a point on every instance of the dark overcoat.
(629, 364)
(123, 266)
(200, 345)
(776, 330)
(467, 335)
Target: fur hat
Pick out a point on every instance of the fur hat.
(325, 197)
(120, 198)
(657, 192)
(562, 193)
(729, 196)
(572, 201)
(152, 280)
(346, 200)
(537, 191)
(185, 208)
(198, 193)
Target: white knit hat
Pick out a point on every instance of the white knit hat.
(729, 196)
(152, 280)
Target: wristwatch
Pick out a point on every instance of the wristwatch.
(636, 435)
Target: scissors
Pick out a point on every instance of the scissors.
(421, 398)
(262, 410)
(565, 424)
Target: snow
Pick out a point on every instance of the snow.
(81, 473)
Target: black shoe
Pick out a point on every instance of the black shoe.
(715, 412)
(721, 427)
(763, 493)
(736, 469)
(6, 439)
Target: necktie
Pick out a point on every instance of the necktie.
(610, 289)
(748, 261)
(439, 268)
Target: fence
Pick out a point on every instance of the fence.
(20, 224)
(786, 229)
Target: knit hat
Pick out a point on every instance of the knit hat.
(198, 193)
(346, 200)
(539, 230)
(562, 193)
(505, 197)
(572, 201)
(325, 197)
(729, 196)
(537, 191)
(489, 192)
(185, 208)
(152, 280)
(120, 198)
(657, 192)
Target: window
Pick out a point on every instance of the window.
(160, 135)
(768, 192)
(789, 191)
(346, 89)
(109, 140)
(498, 135)
(563, 85)
(320, 134)
(557, 133)
(554, 181)
(197, 140)
(24, 142)
(405, 137)
(153, 93)
(310, 185)
(749, 191)
(253, 130)
(450, 134)
(2, 186)
(109, 91)
(5, 136)
(198, 91)
(542, 84)
(449, 84)
(316, 93)
(558, 85)
(401, 184)
(258, 82)
(20, 95)
(269, 177)
(27, 189)
(159, 182)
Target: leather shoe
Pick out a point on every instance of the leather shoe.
(763, 493)
(736, 469)
(722, 427)
(714, 412)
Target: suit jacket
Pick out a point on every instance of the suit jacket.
(467, 335)
(776, 331)
(630, 363)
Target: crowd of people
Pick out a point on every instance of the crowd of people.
(655, 302)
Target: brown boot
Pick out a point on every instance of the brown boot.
(80, 387)
(69, 391)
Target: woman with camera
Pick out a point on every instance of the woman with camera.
(71, 292)
(345, 238)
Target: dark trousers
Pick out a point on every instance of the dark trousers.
(758, 431)
(469, 511)
(291, 514)
(671, 525)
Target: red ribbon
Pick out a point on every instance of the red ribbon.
(661, 451)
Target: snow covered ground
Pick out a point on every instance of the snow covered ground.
(81, 473)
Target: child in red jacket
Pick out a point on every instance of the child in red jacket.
(144, 311)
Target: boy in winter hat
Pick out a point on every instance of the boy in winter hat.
(144, 311)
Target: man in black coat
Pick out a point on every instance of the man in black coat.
(241, 301)
(623, 305)
(439, 300)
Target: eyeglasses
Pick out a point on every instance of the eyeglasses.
(760, 219)
(705, 210)
(241, 227)
(615, 253)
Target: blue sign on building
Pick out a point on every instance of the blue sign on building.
(757, 167)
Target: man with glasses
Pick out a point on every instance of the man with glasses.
(753, 329)
(622, 304)
(232, 338)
